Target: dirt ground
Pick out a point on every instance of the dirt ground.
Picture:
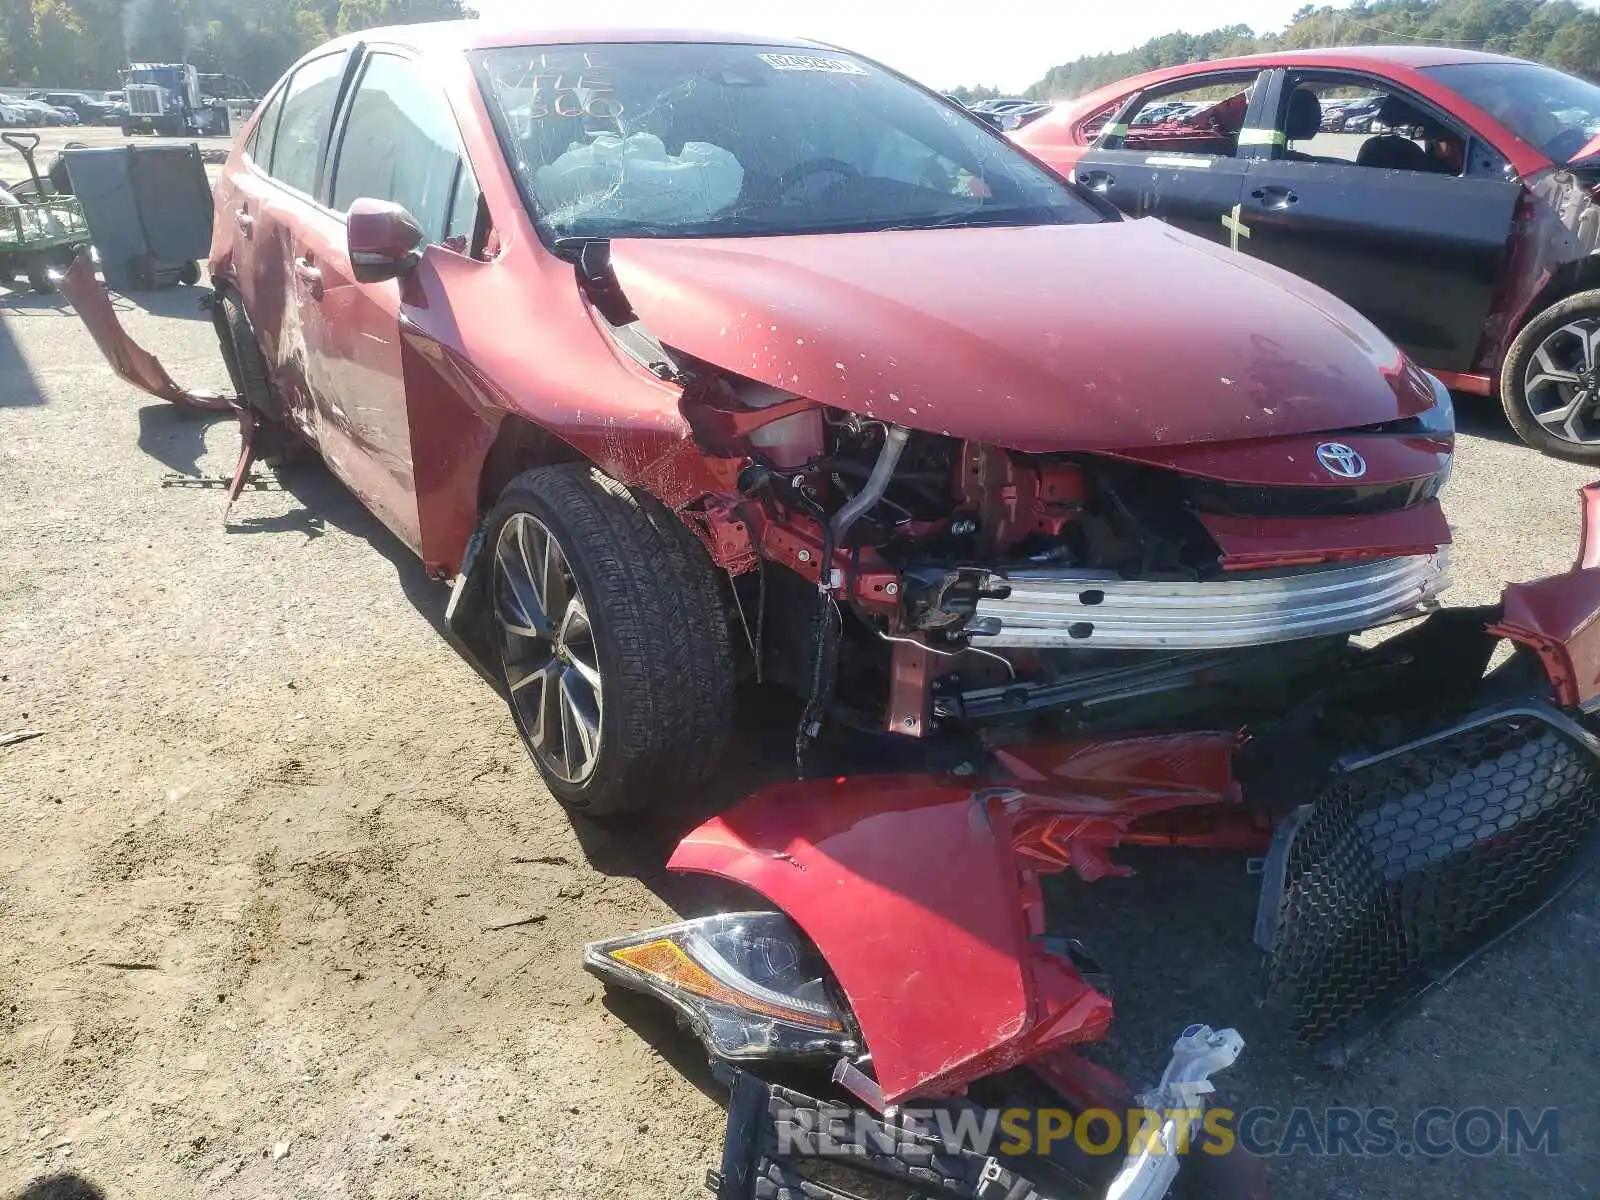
(261, 877)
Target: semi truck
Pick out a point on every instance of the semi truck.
(165, 99)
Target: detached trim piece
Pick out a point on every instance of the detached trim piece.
(1411, 861)
(128, 359)
(1095, 609)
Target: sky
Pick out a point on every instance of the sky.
(943, 43)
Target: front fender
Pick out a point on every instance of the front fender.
(909, 888)
(1558, 617)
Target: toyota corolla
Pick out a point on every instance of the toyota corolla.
(688, 359)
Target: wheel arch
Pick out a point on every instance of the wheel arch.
(1570, 278)
(519, 445)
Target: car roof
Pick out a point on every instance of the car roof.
(1409, 58)
(1401, 56)
(486, 35)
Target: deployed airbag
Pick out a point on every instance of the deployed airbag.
(635, 179)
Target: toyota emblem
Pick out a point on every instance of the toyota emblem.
(1341, 460)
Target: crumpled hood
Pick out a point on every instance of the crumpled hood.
(1054, 337)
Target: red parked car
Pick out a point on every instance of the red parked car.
(1460, 216)
(694, 358)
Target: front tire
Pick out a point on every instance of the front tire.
(612, 638)
(1550, 380)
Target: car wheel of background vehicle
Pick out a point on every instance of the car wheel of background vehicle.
(189, 274)
(39, 275)
(613, 639)
(1550, 381)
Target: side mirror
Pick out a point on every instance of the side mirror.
(383, 239)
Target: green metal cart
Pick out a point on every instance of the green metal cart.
(38, 230)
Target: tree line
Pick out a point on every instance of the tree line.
(1558, 32)
(85, 43)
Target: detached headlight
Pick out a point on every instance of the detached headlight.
(749, 984)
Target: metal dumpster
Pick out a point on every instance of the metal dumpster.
(149, 211)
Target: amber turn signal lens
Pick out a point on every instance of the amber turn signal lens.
(668, 961)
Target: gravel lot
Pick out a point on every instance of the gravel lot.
(250, 875)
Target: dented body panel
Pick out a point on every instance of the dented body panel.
(904, 880)
(922, 891)
(993, 334)
(908, 885)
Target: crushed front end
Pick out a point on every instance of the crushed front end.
(923, 584)
(1408, 798)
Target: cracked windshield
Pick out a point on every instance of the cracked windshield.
(658, 140)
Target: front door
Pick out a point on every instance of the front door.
(1173, 153)
(1408, 222)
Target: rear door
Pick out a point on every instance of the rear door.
(270, 198)
(1173, 152)
(1409, 224)
(397, 141)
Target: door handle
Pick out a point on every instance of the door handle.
(1275, 196)
(1099, 181)
(245, 222)
(310, 276)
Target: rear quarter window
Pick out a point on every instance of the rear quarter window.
(259, 145)
(305, 122)
(1095, 123)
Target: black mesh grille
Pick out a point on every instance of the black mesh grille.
(1404, 866)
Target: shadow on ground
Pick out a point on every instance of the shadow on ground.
(177, 300)
(1482, 416)
(59, 1187)
(176, 437)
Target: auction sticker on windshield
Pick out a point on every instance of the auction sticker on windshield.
(810, 62)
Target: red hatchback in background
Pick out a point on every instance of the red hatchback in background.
(1448, 195)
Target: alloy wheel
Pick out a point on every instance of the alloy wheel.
(1562, 382)
(548, 651)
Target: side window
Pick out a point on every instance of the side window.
(1353, 120)
(458, 230)
(305, 120)
(259, 147)
(1198, 116)
(400, 144)
(1092, 126)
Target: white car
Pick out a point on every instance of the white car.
(37, 112)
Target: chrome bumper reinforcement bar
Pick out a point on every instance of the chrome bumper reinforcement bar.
(1062, 607)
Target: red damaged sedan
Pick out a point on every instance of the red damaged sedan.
(690, 359)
